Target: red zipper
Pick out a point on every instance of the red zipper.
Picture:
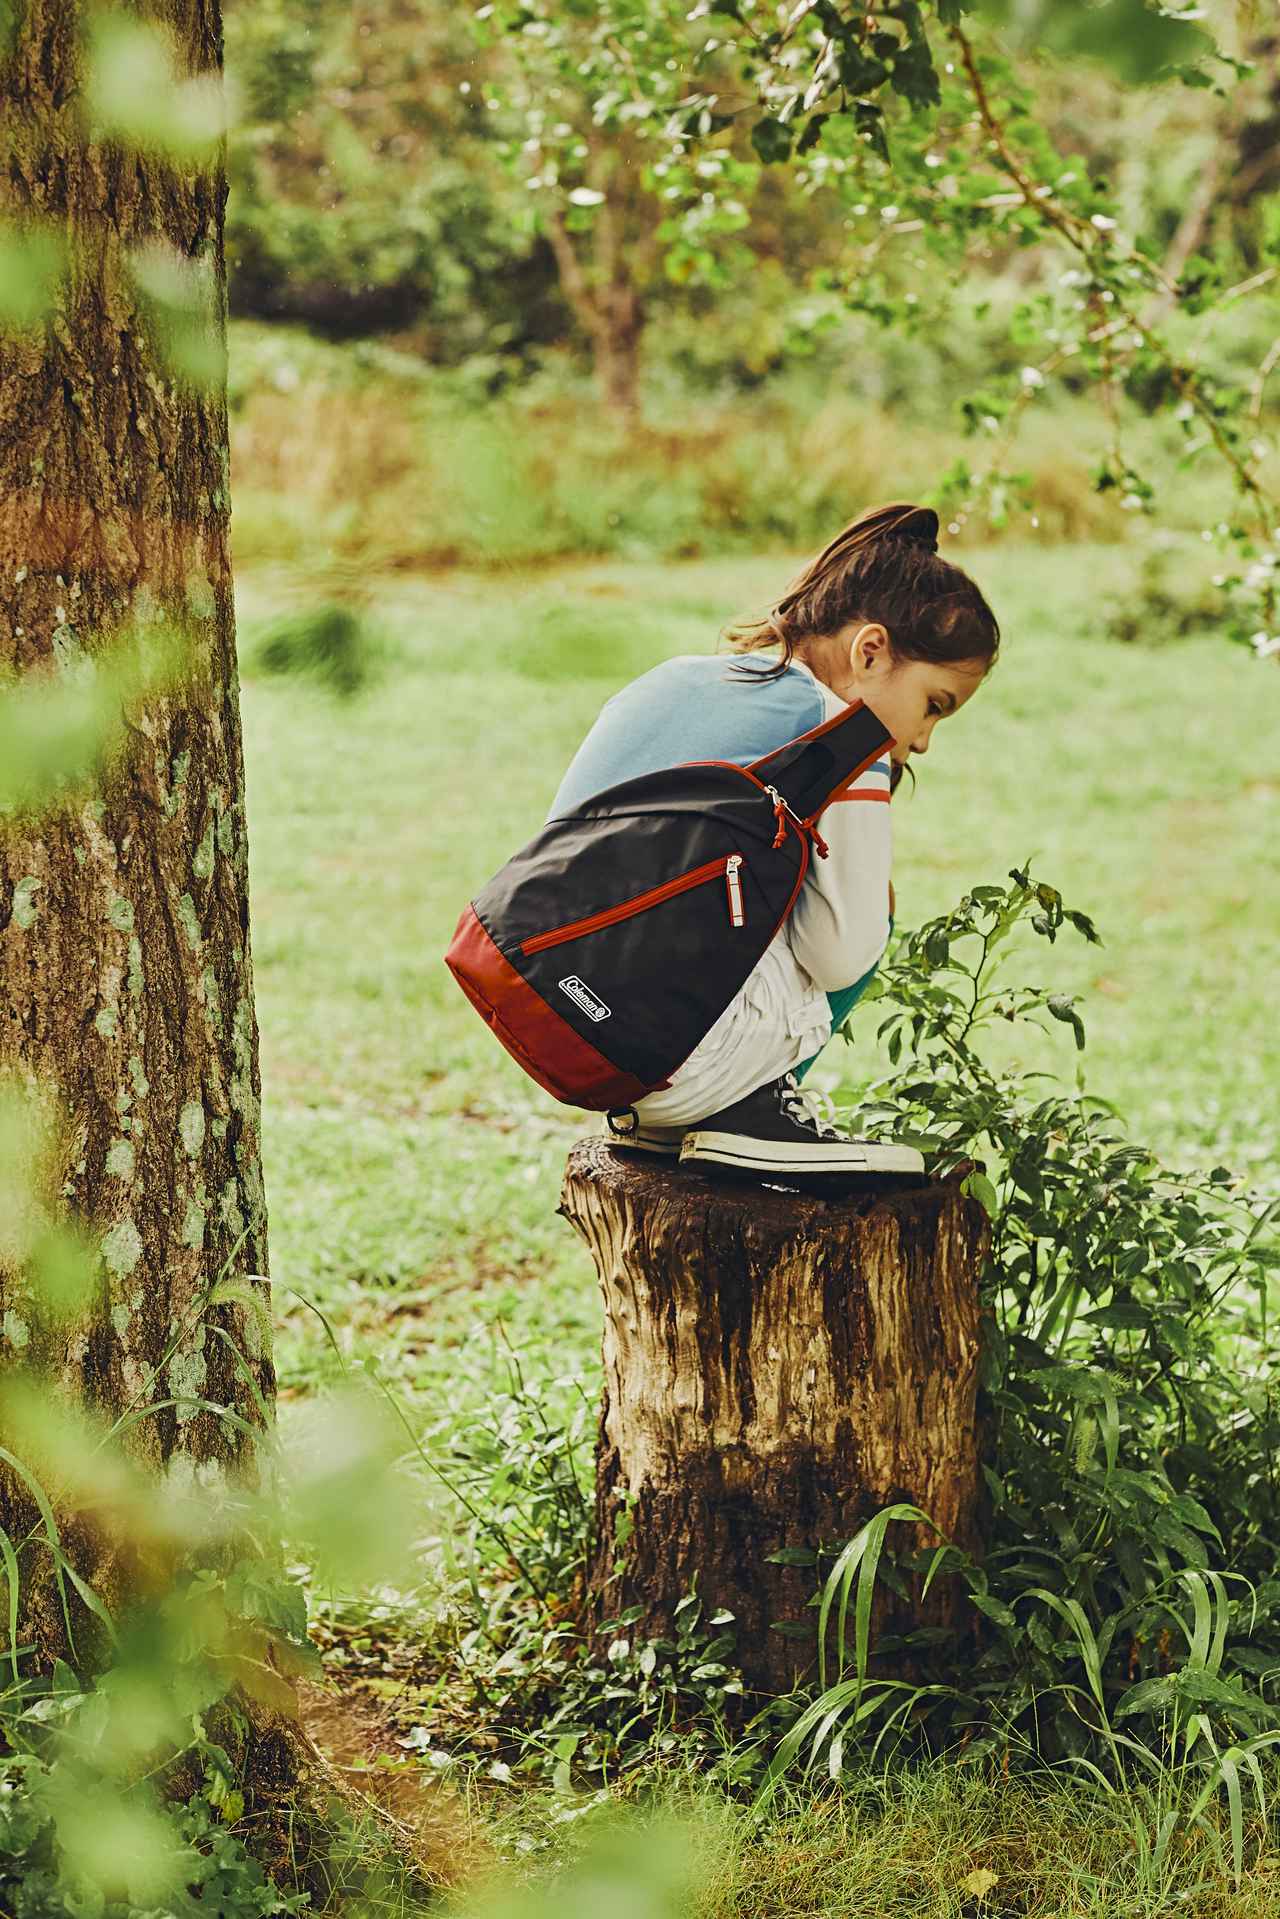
(728, 865)
(799, 824)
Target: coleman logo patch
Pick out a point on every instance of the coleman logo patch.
(583, 997)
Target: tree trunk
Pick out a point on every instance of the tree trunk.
(608, 306)
(617, 350)
(778, 1366)
(125, 969)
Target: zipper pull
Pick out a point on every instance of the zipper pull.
(736, 915)
(781, 810)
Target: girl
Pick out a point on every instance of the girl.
(879, 617)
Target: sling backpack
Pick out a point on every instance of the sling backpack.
(605, 949)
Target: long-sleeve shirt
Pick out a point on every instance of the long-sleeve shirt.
(713, 706)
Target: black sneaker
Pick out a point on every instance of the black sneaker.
(776, 1129)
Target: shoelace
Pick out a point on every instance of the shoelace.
(809, 1107)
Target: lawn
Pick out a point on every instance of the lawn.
(412, 1170)
(411, 1167)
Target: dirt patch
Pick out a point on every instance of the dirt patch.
(359, 1738)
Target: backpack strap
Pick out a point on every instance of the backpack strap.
(810, 769)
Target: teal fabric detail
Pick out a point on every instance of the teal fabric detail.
(841, 1003)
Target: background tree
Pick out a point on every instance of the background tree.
(589, 96)
(367, 191)
(926, 120)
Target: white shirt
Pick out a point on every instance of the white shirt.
(836, 931)
(839, 926)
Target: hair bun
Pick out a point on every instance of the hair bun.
(920, 525)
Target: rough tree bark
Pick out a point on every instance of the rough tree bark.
(778, 1366)
(125, 977)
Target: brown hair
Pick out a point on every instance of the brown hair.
(884, 566)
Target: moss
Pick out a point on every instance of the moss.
(141, 1084)
(196, 1218)
(69, 653)
(105, 1021)
(190, 924)
(177, 780)
(229, 1207)
(120, 1319)
(202, 860)
(122, 1249)
(242, 1093)
(200, 600)
(188, 1375)
(135, 968)
(120, 1158)
(120, 914)
(15, 1328)
(25, 905)
(212, 1005)
(191, 1127)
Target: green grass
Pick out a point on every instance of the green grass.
(412, 1170)
(412, 1167)
(940, 1842)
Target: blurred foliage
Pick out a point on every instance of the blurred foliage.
(1165, 600)
(366, 193)
(1043, 203)
(137, 93)
(61, 731)
(651, 1865)
(182, 1616)
(32, 262)
(329, 643)
(362, 458)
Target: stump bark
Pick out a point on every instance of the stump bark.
(778, 1365)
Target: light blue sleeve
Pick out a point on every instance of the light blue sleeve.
(690, 707)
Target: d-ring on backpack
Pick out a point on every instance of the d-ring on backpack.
(603, 951)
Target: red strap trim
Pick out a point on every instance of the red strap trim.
(837, 797)
(816, 732)
(548, 1048)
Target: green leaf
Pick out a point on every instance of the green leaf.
(1121, 1316)
(994, 1609)
(1149, 1695)
(1063, 1008)
(982, 1190)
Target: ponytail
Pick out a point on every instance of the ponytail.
(884, 566)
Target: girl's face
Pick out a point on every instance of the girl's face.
(909, 696)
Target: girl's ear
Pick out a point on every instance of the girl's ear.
(870, 643)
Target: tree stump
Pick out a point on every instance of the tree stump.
(778, 1365)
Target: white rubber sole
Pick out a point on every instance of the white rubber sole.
(783, 1156)
(646, 1140)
